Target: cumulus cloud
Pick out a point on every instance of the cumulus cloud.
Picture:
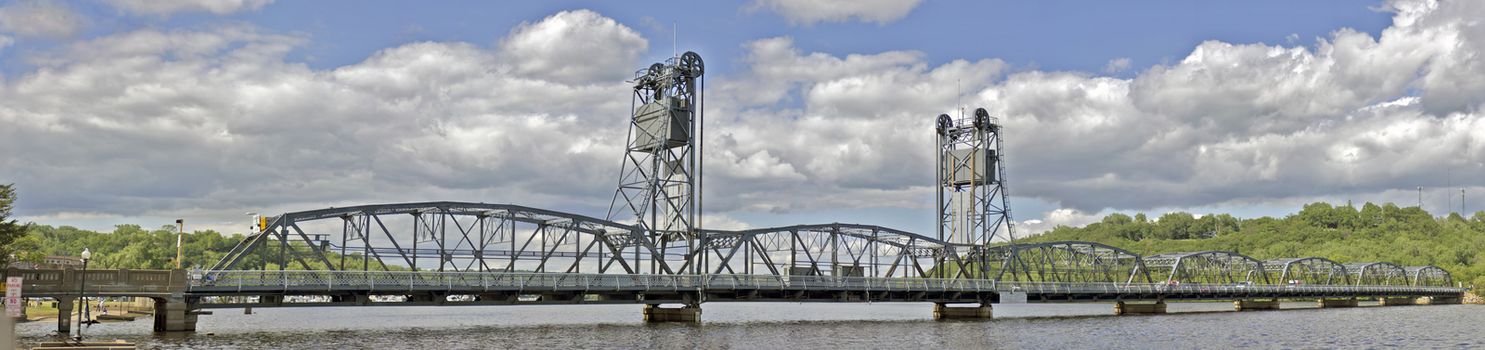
(39, 18)
(211, 121)
(806, 12)
(165, 8)
(574, 47)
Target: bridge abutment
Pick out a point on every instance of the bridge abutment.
(942, 311)
(1248, 305)
(1439, 300)
(655, 314)
(1123, 308)
(1336, 303)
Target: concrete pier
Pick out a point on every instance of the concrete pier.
(1396, 301)
(1249, 305)
(942, 311)
(689, 313)
(1335, 303)
(1439, 300)
(1123, 308)
(64, 315)
(174, 315)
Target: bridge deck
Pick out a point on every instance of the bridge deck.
(538, 288)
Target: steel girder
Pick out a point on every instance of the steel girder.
(1221, 267)
(1429, 276)
(1377, 274)
(1065, 261)
(1312, 270)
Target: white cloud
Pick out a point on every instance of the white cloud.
(575, 47)
(165, 8)
(1117, 65)
(39, 18)
(215, 122)
(807, 12)
(212, 121)
(1056, 217)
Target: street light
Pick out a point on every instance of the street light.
(81, 293)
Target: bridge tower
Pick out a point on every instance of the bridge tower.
(659, 181)
(973, 206)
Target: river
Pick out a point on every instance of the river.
(808, 326)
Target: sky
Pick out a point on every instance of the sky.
(141, 112)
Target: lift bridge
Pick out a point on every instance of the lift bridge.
(650, 248)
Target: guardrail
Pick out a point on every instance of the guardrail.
(307, 281)
(64, 282)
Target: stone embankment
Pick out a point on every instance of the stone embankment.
(1471, 298)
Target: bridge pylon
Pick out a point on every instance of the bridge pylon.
(973, 206)
(659, 181)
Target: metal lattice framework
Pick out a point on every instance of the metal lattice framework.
(1312, 270)
(1377, 274)
(1063, 261)
(837, 249)
(1429, 276)
(1211, 266)
(450, 236)
(659, 182)
(973, 205)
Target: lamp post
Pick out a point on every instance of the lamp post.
(180, 239)
(81, 293)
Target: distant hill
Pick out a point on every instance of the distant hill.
(1405, 236)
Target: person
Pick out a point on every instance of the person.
(102, 307)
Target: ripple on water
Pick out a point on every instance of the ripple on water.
(784, 325)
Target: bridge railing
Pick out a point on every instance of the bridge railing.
(308, 281)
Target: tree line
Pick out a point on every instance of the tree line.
(1405, 236)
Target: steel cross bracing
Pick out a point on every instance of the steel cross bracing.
(1219, 267)
(1429, 275)
(1378, 274)
(1310, 270)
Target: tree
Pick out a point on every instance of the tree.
(11, 231)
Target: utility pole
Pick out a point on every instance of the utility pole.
(1420, 197)
(180, 237)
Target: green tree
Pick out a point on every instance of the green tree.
(12, 232)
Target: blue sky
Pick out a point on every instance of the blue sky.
(1252, 107)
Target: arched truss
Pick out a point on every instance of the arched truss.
(1429, 276)
(452, 236)
(1377, 274)
(1064, 261)
(456, 236)
(845, 250)
(1218, 267)
(1306, 271)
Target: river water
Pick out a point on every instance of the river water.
(808, 326)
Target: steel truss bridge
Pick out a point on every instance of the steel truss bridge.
(454, 253)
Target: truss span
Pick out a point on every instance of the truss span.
(1429, 276)
(481, 237)
(1378, 274)
(1063, 261)
(1220, 267)
(1311, 270)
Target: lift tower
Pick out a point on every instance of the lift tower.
(973, 207)
(659, 181)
